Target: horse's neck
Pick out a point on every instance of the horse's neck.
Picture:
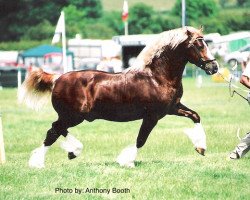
(169, 67)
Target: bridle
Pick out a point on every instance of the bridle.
(201, 62)
(203, 65)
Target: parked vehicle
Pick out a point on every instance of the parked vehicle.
(237, 56)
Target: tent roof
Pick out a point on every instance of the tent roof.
(42, 50)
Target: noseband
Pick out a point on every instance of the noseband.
(201, 62)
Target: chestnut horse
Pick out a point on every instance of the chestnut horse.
(149, 90)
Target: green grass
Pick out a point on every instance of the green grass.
(167, 166)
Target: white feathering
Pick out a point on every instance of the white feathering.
(71, 144)
(197, 136)
(127, 156)
(37, 158)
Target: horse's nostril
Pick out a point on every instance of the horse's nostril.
(215, 67)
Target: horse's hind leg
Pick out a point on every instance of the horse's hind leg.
(59, 127)
(38, 155)
(72, 145)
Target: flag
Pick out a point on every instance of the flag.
(125, 11)
(60, 29)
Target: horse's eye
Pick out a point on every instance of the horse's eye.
(200, 47)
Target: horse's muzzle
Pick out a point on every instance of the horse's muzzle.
(211, 68)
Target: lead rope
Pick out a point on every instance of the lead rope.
(234, 86)
(232, 94)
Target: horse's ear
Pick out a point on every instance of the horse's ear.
(188, 32)
(201, 28)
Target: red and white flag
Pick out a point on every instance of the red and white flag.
(125, 11)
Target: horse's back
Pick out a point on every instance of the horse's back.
(114, 97)
(78, 89)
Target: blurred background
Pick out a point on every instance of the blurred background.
(95, 36)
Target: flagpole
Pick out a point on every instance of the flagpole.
(183, 12)
(126, 27)
(125, 16)
(64, 54)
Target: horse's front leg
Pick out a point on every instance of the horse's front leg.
(197, 134)
(128, 155)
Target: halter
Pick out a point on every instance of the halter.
(201, 63)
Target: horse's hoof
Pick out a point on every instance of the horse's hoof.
(71, 155)
(200, 151)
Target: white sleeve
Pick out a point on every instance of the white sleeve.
(247, 70)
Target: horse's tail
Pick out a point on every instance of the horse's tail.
(37, 88)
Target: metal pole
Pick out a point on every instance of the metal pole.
(65, 64)
(19, 78)
(125, 16)
(2, 150)
(183, 13)
(126, 27)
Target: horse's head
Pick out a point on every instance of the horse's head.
(198, 52)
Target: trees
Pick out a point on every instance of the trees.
(113, 20)
(196, 9)
(19, 16)
(242, 2)
(41, 31)
(140, 19)
(91, 8)
(36, 20)
(144, 19)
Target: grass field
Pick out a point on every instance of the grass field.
(167, 166)
(156, 4)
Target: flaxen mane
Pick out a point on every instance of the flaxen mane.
(168, 39)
